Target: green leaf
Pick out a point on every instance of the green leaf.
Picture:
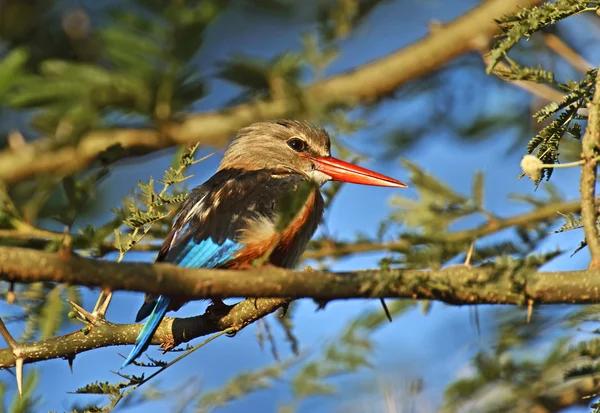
(529, 20)
(105, 387)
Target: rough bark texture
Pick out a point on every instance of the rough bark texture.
(455, 285)
(172, 332)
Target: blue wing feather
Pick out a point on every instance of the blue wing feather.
(203, 254)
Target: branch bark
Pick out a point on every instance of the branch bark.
(371, 81)
(171, 332)
(454, 285)
(589, 147)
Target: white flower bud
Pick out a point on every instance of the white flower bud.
(532, 167)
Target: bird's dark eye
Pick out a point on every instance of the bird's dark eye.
(297, 144)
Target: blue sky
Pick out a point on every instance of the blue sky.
(414, 345)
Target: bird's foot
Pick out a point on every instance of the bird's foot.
(284, 309)
(320, 304)
(218, 308)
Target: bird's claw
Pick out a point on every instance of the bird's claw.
(284, 309)
(218, 308)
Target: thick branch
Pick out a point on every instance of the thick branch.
(372, 81)
(456, 285)
(589, 147)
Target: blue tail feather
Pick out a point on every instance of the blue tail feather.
(145, 337)
(202, 254)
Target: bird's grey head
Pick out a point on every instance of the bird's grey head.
(281, 146)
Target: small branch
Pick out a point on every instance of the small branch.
(362, 85)
(590, 144)
(36, 238)
(566, 52)
(528, 219)
(545, 92)
(171, 332)
(7, 336)
(32, 237)
(457, 285)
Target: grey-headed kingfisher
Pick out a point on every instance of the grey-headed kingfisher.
(231, 220)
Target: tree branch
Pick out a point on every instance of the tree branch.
(366, 83)
(32, 237)
(455, 285)
(327, 249)
(171, 332)
(589, 147)
(566, 52)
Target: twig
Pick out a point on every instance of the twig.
(33, 237)
(566, 52)
(545, 92)
(590, 144)
(140, 232)
(327, 248)
(169, 364)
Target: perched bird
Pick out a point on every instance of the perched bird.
(236, 216)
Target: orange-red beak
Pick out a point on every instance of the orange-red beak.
(342, 171)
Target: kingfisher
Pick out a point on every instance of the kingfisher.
(235, 217)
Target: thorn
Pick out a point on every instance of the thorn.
(102, 302)
(529, 310)
(82, 312)
(469, 255)
(17, 351)
(103, 307)
(19, 373)
(386, 310)
(321, 304)
(70, 360)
